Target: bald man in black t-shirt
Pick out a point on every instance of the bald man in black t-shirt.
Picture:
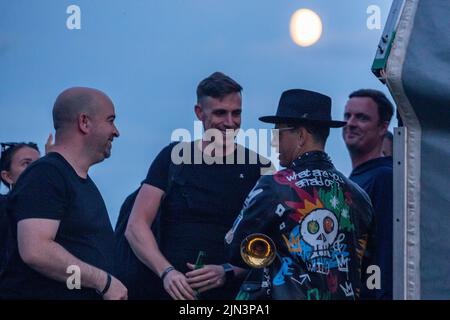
(64, 237)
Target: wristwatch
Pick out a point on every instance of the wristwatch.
(229, 272)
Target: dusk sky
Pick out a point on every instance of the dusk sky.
(149, 56)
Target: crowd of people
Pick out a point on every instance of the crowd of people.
(179, 235)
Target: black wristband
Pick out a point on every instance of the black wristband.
(108, 284)
(229, 272)
(165, 272)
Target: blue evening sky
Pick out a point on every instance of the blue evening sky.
(149, 55)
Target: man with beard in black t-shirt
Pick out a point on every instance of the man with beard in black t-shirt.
(64, 239)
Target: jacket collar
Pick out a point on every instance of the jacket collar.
(315, 157)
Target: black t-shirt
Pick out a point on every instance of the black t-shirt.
(202, 204)
(51, 189)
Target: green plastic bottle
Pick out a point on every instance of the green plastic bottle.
(200, 260)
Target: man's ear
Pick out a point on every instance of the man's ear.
(84, 123)
(198, 109)
(301, 136)
(6, 176)
(302, 131)
(384, 128)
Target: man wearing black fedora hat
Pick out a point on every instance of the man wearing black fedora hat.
(318, 219)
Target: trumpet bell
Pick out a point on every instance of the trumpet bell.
(258, 250)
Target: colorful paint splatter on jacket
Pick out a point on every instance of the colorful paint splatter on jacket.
(319, 221)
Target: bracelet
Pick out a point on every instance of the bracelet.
(229, 272)
(108, 284)
(165, 272)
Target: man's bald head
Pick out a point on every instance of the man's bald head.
(73, 101)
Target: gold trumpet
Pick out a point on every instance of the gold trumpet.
(258, 250)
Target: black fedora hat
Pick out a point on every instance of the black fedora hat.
(299, 106)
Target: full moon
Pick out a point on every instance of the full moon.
(305, 27)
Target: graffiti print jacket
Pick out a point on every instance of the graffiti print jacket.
(320, 222)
